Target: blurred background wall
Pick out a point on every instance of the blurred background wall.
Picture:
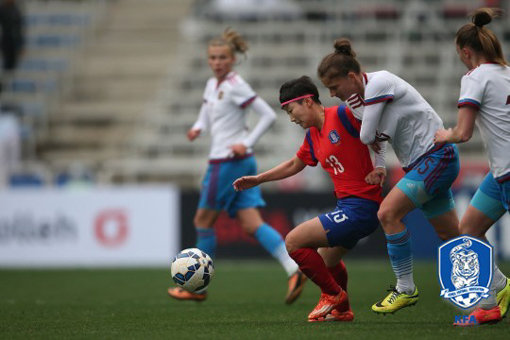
(104, 92)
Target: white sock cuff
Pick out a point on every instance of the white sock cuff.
(285, 260)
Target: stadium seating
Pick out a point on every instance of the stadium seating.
(55, 32)
(413, 39)
(125, 80)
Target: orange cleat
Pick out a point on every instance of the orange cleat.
(482, 316)
(326, 304)
(296, 285)
(342, 312)
(181, 294)
(337, 315)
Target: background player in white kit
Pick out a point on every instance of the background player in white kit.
(226, 99)
(485, 99)
(392, 110)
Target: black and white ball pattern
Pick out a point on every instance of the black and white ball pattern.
(192, 269)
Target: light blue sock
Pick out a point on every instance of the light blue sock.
(206, 240)
(273, 242)
(401, 257)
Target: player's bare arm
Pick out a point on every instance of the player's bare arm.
(284, 170)
(463, 131)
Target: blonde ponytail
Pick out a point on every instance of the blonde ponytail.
(232, 39)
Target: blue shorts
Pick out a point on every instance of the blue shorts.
(428, 180)
(217, 191)
(492, 198)
(353, 219)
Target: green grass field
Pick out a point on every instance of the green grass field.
(246, 301)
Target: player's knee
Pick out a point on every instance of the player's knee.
(386, 216)
(249, 224)
(197, 220)
(201, 220)
(291, 243)
(248, 227)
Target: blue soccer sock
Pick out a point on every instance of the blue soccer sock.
(273, 242)
(206, 240)
(399, 250)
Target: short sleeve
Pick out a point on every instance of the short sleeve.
(242, 93)
(471, 92)
(380, 89)
(306, 153)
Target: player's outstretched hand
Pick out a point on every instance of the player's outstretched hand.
(193, 133)
(376, 176)
(245, 182)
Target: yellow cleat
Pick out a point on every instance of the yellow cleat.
(395, 301)
(503, 298)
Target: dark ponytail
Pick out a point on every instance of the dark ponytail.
(340, 62)
(343, 46)
(483, 16)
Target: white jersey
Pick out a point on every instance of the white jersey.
(393, 110)
(224, 111)
(487, 88)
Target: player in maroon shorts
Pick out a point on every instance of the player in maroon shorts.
(318, 245)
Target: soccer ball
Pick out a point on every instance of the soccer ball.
(192, 269)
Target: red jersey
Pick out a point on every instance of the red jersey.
(341, 153)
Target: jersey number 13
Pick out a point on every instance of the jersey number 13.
(335, 164)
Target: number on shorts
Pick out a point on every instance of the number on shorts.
(337, 217)
(333, 162)
(424, 167)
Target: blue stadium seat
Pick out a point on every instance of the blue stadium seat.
(69, 19)
(27, 84)
(53, 40)
(57, 19)
(44, 64)
(22, 85)
(20, 180)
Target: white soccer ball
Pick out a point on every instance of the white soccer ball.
(192, 269)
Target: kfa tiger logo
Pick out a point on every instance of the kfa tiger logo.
(334, 137)
(465, 270)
